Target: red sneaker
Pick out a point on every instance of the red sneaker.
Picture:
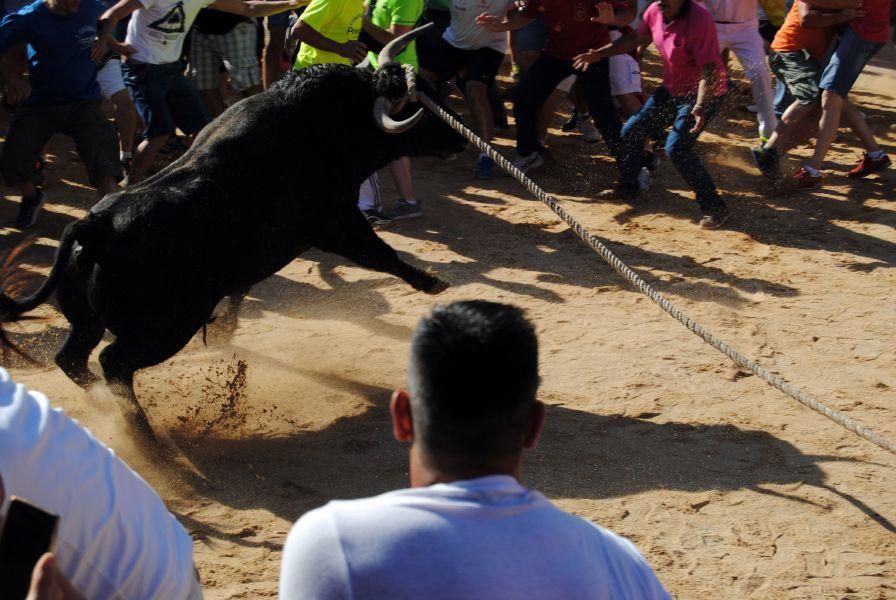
(802, 178)
(868, 165)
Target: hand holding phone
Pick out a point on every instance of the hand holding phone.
(28, 534)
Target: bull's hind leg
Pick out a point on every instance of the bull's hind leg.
(358, 242)
(127, 354)
(85, 333)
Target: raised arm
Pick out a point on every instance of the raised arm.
(625, 44)
(107, 24)
(813, 18)
(515, 21)
(256, 8)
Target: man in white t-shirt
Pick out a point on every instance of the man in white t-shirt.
(467, 46)
(164, 97)
(115, 538)
(466, 528)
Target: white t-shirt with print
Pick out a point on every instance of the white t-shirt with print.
(116, 540)
(465, 33)
(157, 30)
(483, 538)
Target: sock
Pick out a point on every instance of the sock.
(876, 154)
(123, 156)
(812, 171)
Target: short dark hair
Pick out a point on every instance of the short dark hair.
(473, 377)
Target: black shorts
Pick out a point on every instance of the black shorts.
(799, 72)
(33, 126)
(446, 61)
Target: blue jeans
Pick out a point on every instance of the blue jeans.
(850, 56)
(165, 99)
(659, 112)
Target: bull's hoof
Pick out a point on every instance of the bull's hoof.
(436, 286)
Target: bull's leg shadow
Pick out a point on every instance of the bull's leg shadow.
(360, 244)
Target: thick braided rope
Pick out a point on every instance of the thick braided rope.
(633, 278)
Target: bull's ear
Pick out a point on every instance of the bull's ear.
(398, 45)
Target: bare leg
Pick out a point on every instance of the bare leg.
(832, 108)
(146, 154)
(125, 120)
(273, 49)
(858, 125)
(401, 175)
(795, 127)
(477, 97)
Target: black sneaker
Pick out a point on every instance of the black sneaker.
(571, 123)
(375, 217)
(37, 171)
(767, 160)
(29, 208)
(716, 218)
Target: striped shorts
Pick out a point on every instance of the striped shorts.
(235, 49)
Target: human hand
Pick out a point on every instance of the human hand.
(699, 119)
(605, 14)
(584, 60)
(48, 582)
(492, 23)
(353, 50)
(17, 90)
(98, 50)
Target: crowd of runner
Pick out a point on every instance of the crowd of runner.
(174, 65)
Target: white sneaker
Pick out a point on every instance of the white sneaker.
(587, 129)
(525, 163)
(644, 179)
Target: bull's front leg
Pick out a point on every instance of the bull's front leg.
(357, 242)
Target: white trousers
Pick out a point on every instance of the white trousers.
(369, 198)
(744, 40)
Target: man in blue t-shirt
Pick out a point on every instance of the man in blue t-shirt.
(61, 95)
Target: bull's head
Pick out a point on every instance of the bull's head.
(384, 107)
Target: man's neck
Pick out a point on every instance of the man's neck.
(426, 471)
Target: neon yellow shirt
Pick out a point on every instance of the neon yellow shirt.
(387, 13)
(338, 20)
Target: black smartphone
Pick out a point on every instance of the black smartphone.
(29, 532)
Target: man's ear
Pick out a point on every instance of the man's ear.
(402, 423)
(535, 425)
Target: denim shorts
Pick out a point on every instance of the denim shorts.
(850, 56)
(165, 99)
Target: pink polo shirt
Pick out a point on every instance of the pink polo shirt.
(685, 45)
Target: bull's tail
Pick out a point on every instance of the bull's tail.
(13, 278)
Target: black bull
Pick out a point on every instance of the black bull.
(275, 175)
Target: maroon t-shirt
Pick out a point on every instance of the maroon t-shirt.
(572, 31)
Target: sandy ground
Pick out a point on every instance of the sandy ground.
(729, 488)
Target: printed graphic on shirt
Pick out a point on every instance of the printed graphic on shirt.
(84, 37)
(172, 22)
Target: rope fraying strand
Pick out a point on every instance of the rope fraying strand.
(626, 272)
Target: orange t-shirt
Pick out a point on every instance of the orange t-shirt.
(793, 37)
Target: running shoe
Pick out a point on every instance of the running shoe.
(571, 123)
(867, 165)
(526, 163)
(650, 161)
(588, 130)
(375, 217)
(485, 167)
(619, 193)
(29, 209)
(716, 218)
(803, 179)
(767, 161)
(405, 210)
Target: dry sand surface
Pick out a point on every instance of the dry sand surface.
(731, 489)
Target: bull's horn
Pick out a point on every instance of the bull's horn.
(398, 45)
(381, 108)
(364, 64)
